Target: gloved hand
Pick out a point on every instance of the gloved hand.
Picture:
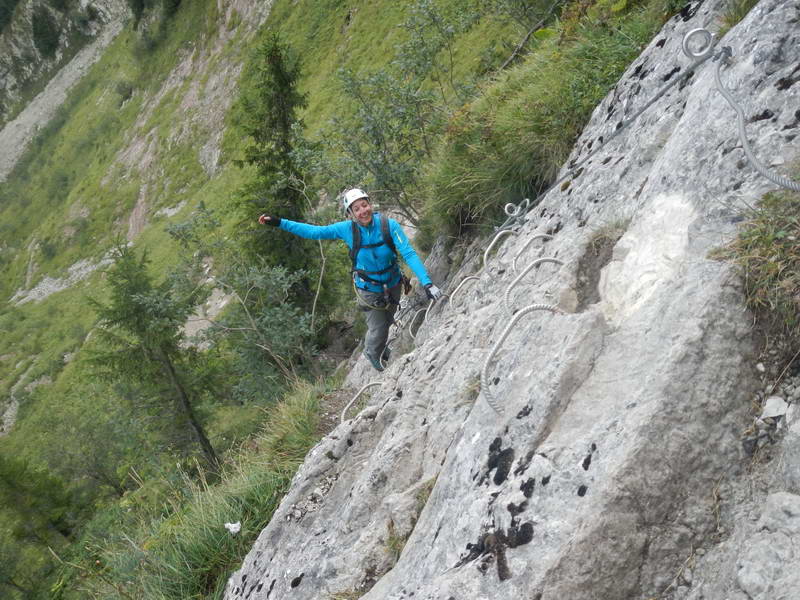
(433, 292)
(269, 220)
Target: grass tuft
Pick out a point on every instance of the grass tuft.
(767, 251)
(735, 11)
(189, 553)
(509, 143)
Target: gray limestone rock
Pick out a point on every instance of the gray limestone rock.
(618, 450)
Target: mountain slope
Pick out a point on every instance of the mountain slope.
(617, 454)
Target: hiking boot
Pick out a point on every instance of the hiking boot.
(373, 361)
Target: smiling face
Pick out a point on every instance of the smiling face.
(361, 210)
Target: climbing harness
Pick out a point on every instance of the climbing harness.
(384, 303)
(357, 246)
(485, 371)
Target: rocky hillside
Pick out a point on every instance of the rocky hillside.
(614, 466)
(41, 36)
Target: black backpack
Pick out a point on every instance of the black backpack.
(387, 239)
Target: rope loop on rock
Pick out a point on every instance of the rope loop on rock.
(460, 285)
(414, 318)
(527, 270)
(490, 399)
(516, 213)
(784, 182)
(500, 234)
(361, 391)
(539, 236)
(705, 50)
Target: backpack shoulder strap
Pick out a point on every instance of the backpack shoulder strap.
(387, 235)
(356, 243)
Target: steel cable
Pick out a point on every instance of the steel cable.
(485, 371)
(527, 270)
(776, 179)
(361, 391)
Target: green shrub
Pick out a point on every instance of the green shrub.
(510, 142)
(189, 553)
(45, 32)
(767, 251)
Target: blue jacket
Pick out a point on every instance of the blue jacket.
(368, 259)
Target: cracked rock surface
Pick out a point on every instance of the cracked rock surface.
(616, 469)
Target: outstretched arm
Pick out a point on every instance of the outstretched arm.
(305, 230)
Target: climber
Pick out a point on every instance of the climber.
(374, 241)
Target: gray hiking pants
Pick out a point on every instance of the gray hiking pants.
(379, 316)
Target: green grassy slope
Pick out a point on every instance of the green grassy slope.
(72, 195)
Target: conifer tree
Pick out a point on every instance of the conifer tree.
(267, 113)
(141, 328)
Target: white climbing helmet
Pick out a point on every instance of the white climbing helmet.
(351, 196)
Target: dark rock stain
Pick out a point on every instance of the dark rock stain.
(588, 460)
(524, 463)
(684, 83)
(492, 547)
(689, 11)
(786, 82)
(527, 487)
(582, 490)
(762, 116)
(296, 581)
(555, 230)
(517, 509)
(669, 75)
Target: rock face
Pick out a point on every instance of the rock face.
(22, 62)
(616, 469)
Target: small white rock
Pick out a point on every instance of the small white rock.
(774, 406)
(234, 528)
(760, 368)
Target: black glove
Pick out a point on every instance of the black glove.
(433, 292)
(269, 220)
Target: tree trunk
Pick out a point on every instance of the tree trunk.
(186, 405)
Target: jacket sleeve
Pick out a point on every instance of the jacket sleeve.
(406, 250)
(334, 231)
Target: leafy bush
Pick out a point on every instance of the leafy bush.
(61, 5)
